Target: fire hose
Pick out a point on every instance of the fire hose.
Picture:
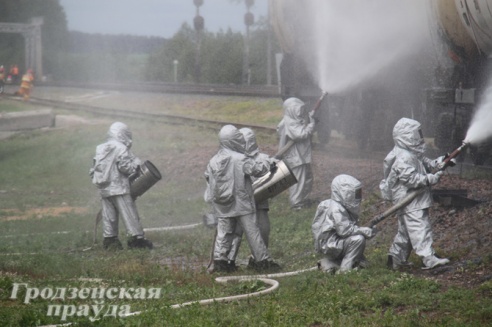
(448, 161)
(267, 279)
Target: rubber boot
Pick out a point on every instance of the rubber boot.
(363, 263)
(231, 265)
(395, 264)
(251, 262)
(267, 265)
(328, 266)
(432, 261)
(139, 243)
(220, 266)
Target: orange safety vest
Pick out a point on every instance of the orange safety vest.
(26, 82)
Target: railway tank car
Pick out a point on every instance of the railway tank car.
(464, 30)
(440, 83)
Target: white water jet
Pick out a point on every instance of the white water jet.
(356, 39)
(481, 125)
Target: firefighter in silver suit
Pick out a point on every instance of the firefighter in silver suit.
(297, 125)
(262, 207)
(113, 165)
(230, 192)
(335, 229)
(406, 169)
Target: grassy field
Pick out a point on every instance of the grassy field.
(47, 211)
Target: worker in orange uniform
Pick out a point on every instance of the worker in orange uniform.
(26, 85)
(14, 72)
(2, 79)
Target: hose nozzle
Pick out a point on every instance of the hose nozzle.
(448, 159)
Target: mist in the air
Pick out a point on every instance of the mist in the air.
(357, 39)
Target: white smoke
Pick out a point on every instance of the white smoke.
(356, 39)
(481, 125)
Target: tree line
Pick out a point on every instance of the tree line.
(187, 57)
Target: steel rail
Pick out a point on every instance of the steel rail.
(161, 117)
(270, 91)
(194, 121)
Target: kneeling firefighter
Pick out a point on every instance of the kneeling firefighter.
(336, 233)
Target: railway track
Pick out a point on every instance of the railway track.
(133, 114)
(269, 91)
(193, 121)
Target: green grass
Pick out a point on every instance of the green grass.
(50, 169)
(10, 106)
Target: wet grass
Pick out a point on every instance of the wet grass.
(50, 169)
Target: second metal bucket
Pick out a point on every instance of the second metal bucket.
(145, 179)
(271, 185)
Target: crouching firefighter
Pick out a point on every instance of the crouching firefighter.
(113, 165)
(336, 233)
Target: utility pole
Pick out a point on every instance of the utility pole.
(199, 24)
(175, 64)
(249, 20)
(269, 47)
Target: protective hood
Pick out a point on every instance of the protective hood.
(294, 109)
(121, 133)
(231, 138)
(251, 148)
(347, 190)
(407, 134)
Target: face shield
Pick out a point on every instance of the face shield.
(358, 194)
(353, 204)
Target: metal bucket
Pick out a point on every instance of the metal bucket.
(271, 185)
(145, 178)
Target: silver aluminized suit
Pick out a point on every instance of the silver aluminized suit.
(335, 231)
(231, 194)
(297, 126)
(262, 208)
(406, 169)
(112, 166)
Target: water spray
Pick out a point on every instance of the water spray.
(448, 161)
